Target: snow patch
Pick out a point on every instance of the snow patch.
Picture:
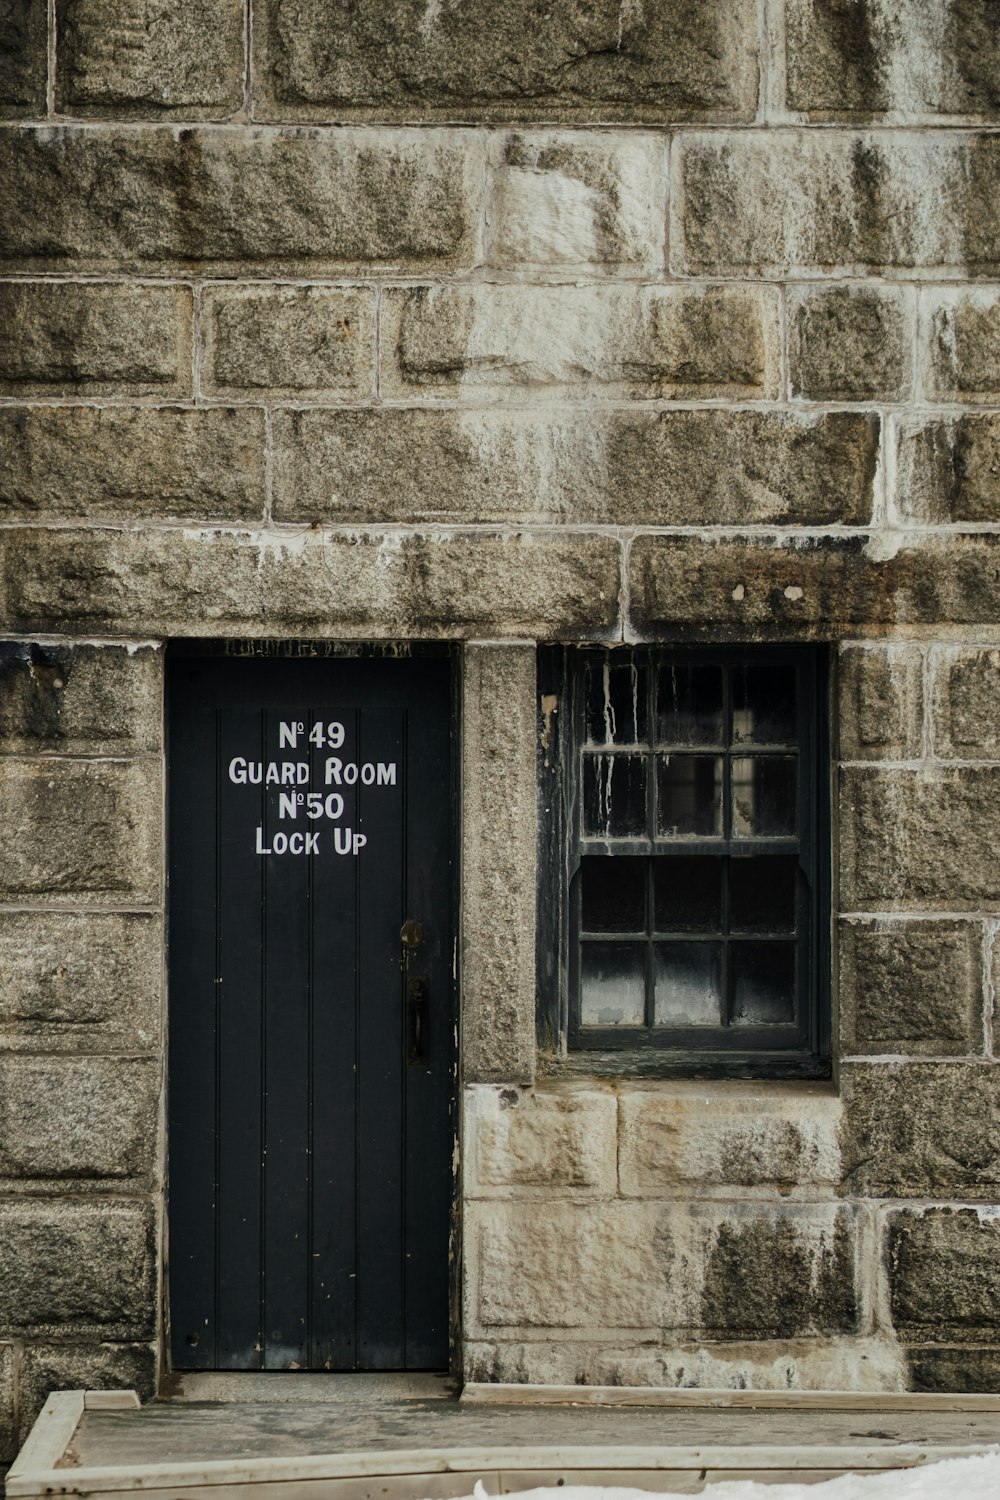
(975, 1478)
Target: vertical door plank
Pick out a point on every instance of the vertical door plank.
(287, 1096)
(334, 1068)
(429, 1084)
(380, 1054)
(240, 896)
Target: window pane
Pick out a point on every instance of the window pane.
(764, 704)
(764, 801)
(612, 984)
(613, 894)
(761, 983)
(689, 704)
(688, 984)
(762, 893)
(689, 796)
(614, 796)
(616, 695)
(688, 895)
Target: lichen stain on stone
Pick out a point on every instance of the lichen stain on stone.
(771, 1279)
(776, 1154)
(33, 677)
(833, 46)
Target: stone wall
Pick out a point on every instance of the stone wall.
(474, 322)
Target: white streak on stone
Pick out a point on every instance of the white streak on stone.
(630, 13)
(430, 17)
(553, 215)
(911, 40)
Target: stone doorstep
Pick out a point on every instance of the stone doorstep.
(45, 1465)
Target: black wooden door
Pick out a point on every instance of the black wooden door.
(311, 1012)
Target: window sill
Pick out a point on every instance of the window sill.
(649, 1062)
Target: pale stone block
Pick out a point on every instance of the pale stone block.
(564, 1137)
(881, 702)
(80, 700)
(485, 342)
(498, 864)
(588, 200)
(219, 201)
(911, 987)
(573, 1266)
(79, 1269)
(916, 841)
(731, 1135)
(288, 341)
(810, 1364)
(149, 57)
(921, 1129)
(174, 582)
(967, 703)
(80, 982)
(81, 831)
(131, 463)
(82, 339)
(713, 1270)
(78, 1124)
(74, 1367)
(909, 59)
(960, 337)
(776, 202)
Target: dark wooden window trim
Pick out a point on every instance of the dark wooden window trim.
(652, 1052)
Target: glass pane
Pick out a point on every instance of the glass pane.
(764, 704)
(689, 704)
(762, 893)
(613, 894)
(688, 895)
(688, 984)
(762, 983)
(616, 696)
(764, 802)
(689, 796)
(614, 796)
(612, 984)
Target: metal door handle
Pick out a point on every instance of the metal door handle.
(416, 1018)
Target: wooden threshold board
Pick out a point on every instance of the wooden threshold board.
(484, 1393)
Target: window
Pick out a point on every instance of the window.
(683, 906)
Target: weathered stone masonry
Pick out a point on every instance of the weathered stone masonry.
(478, 323)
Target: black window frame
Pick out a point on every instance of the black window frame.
(766, 1051)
